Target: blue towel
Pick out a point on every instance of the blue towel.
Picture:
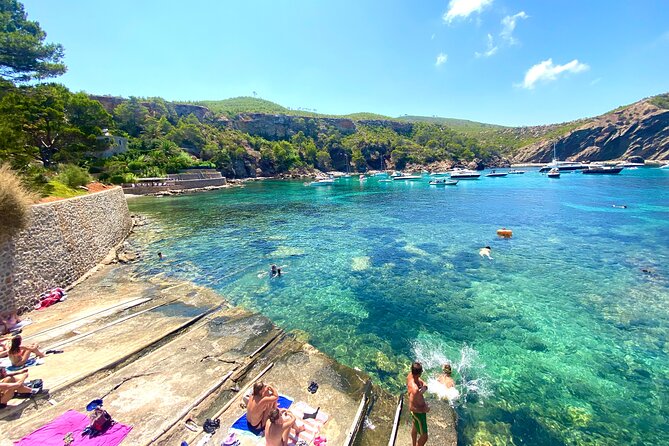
(242, 425)
(30, 362)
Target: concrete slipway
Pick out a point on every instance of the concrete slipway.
(162, 352)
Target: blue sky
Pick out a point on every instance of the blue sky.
(507, 62)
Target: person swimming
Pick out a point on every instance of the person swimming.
(274, 271)
(485, 252)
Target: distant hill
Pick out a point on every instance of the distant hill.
(639, 129)
(243, 104)
(644, 122)
(450, 122)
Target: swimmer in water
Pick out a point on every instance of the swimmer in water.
(273, 271)
(485, 252)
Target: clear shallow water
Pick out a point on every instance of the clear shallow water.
(561, 339)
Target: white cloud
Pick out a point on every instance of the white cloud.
(433, 36)
(464, 8)
(595, 81)
(441, 59)
(509, 24)
(545, 71)
(490, 49)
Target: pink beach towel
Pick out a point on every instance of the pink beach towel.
(75, 422)
(312, 427)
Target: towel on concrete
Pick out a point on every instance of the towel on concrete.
(5, 362)
(284, 403)
(75, 422)
(312, 426)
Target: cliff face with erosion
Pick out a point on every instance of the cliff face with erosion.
(641, 129)
(275, 127)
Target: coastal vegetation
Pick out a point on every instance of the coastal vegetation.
(15, 202)
(46, 130)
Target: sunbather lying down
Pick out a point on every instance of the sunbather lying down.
(279, 424)
(12, 385)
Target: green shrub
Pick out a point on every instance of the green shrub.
(122, 178)
(73, 176)
(15, 203)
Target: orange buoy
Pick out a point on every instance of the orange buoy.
(506, 233)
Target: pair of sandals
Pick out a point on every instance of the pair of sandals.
(313, 387)
(320, 441)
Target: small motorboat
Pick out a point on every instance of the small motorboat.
(516, 172)
(322, 182)
(408, 177)
(443, 182)
(439, 174)
(553, 173)
(495, 174)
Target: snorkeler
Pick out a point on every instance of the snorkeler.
(485, 252)
(274, 271)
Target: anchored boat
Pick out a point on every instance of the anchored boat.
(603, 170)
(443, 182)
(465, 174)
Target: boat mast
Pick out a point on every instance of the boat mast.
(554, 156)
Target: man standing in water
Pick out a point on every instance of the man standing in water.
(417, 405)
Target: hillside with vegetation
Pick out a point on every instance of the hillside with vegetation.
(59, 140)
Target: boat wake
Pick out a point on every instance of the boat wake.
(471, 381)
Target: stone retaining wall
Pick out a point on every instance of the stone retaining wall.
(65, 239)
(178, 185)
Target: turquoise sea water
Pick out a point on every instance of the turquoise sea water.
(560, 339)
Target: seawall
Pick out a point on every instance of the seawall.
(64, 240)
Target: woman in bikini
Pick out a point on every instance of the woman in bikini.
(11, 385)
(19, 354)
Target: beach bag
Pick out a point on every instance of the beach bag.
(100, 422)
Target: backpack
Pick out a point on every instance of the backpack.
(100, 422)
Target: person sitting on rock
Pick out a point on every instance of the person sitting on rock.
(19, 354)
(278, 426)
(11, 385)
(263, 400)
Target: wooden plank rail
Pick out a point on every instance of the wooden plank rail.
(190, 407)
(359, 416)
(396, 421)
(227, 405)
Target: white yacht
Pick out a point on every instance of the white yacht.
(464, 174)
(562, 165)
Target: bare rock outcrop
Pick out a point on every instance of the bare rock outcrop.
(639, 130)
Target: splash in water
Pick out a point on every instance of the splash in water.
(472, 384)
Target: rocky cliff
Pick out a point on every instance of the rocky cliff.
(641, 129)
(275, 126)
(111, 102)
